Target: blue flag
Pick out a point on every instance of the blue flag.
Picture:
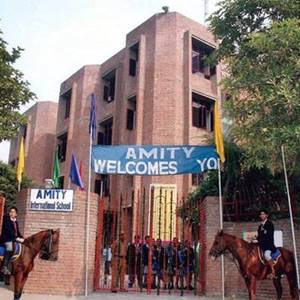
(92, 122)
(74, 173)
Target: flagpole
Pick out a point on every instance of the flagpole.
(291, 216)
(88, 219)
(19, 186)
(101, 189)
(221, 226)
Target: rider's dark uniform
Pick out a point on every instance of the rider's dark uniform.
(10, 232)
(266, 236)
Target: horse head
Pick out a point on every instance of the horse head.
(49, 247)
(219, 246)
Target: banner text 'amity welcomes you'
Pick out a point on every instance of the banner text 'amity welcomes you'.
(153, 160)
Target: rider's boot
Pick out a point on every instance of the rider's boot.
(6, 265)
(271, 264)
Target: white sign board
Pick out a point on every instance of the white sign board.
(278, 240)
(51, 200)
(251, 235)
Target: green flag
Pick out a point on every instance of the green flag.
(56, 171)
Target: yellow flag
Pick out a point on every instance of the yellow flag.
(218, 134)
(21, 161)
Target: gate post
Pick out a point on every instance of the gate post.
(99, 239)
(202, 254)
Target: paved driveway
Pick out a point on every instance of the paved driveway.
(6, 294)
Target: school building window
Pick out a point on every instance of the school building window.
(66, 101)
(102, 183)
(200, 51)
(133, 59)
(197, 179)
(203, 116)
(24, 131)
(61, 182)
(109, 86)
(105, 133)
(131, 113)
(62, 146)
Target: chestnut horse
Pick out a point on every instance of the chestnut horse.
(247, 259)
(44, 243)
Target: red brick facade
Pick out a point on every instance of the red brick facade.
(163, 86)
(67, 275)
(39, 141)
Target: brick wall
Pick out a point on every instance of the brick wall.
(39, 143)
(67, 275)
(234, 284)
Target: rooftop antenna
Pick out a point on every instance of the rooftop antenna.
(165, 9)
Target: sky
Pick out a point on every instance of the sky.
(59, 37)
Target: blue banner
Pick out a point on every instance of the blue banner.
(153, 160)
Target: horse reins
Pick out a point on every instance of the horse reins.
(231, 257)
(50, 245)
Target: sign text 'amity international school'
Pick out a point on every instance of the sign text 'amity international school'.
(153, 160)
(51, 200)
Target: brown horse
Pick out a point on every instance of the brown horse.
(44, 243)
(246, 256)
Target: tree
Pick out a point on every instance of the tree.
(14, 92)
(9, 184)
(245, 190)
(260, 47)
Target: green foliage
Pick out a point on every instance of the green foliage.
(9, 184)
(236, 20)
(14, 92)
(260, 46)
(254, 188)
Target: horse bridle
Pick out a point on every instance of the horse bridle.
(218, 252)
(48, 252)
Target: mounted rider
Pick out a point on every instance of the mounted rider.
(265, 239)
(10, 234)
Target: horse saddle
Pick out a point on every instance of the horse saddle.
(16, 253)
(275, 255)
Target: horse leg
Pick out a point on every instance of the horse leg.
(292, 279)
(247, 281)
(278, 287)
(252, 288)
(7, 279)
(20, 279)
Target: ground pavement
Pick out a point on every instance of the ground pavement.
(6, 294)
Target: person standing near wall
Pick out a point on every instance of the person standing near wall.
(134, 261)
(145, 259)
(119, 250)
(197, 270)
(107, 256)
(189, 264)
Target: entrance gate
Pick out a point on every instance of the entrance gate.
(173, 265)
